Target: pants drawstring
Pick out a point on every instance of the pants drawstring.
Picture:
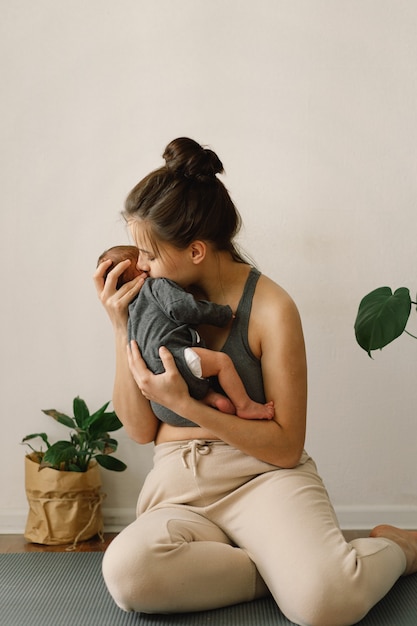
(194, 447)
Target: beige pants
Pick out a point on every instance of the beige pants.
(214, 523)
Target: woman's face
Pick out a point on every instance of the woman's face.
(165, 261)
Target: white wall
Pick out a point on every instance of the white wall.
(311, 105)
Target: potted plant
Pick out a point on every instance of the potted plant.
(63, 484)
(382, 317)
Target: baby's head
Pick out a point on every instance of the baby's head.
(116, 254)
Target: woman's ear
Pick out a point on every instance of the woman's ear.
(198, 251)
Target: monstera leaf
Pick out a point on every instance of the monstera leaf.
(382, 317)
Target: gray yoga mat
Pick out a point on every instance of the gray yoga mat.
(67, 589)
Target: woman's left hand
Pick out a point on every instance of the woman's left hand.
(166, 389)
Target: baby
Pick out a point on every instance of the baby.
(164, 314)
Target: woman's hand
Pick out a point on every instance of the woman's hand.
(167, 389)
(116, 301)
(131, 406)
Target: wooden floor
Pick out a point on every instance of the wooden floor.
(17, 543)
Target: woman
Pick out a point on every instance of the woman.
(232, 507)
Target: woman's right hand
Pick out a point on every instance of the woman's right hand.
(168, 388)
(131, 406)
(116, 301)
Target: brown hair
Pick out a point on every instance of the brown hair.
(116, 255)
(184, 200)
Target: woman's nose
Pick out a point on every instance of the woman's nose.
(142, 265)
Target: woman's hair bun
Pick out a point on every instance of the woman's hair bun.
(185, 157)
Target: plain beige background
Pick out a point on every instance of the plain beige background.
(311, 105)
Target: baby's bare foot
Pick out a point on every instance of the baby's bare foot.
(220, 402)
(406, 539)
(256, 411)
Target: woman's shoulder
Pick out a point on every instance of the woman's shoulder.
(267, 287)
(274, 318)
(272, 300)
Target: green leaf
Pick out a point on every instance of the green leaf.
(74, 468)
(95, 417)
(60, 417)
(81, 413)
(110, 463)
(382, 317)
(108, 422)
(43, 436)
(42, 465)
(60, 452)
(77, 437)
(105, 445)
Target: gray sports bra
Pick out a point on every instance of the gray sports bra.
(237, 347)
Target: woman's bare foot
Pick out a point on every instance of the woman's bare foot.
(256, 411)
(406, 539)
